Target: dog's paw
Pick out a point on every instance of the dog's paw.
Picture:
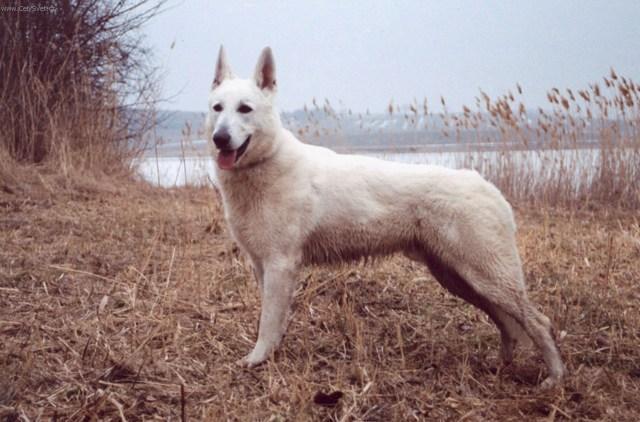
(250, 360)
(549, 383)
(243, 363)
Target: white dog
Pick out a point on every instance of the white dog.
(289, 204)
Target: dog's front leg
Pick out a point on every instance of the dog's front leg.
(258, 274)
(277, 294)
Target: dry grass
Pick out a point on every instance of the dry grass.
(122, 302)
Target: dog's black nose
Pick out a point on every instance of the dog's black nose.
(222, 138)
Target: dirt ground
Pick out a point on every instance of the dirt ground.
(123, 302)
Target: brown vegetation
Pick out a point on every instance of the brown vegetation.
(121, 301)
(76, 87)
(584, 146)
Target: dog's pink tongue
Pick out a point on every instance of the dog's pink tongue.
(226, 159)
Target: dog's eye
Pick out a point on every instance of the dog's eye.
(217, 108)
(244, 109)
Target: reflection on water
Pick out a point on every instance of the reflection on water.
(199, 170)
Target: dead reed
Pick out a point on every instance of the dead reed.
(583, 148)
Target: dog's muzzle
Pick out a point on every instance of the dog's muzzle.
(228, 157)
(222, 138)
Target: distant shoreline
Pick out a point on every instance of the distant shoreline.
(199, 148)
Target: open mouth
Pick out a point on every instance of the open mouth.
(228, 157)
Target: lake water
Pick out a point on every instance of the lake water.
(197, 170)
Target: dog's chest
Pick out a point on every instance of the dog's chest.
(256, 219)
(245, 222)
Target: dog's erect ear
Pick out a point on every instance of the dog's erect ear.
(223, 71)
(265, 75)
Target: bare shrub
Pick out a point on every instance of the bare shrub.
(76, 86)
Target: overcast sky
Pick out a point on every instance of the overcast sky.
(366, 52)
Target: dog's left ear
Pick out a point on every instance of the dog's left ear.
(265, 75)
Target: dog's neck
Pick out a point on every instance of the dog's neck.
(261, 160)
(257, 174)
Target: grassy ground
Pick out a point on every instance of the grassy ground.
(123, 302)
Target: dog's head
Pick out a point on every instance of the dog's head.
(242, 121)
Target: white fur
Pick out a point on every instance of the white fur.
(289, 204)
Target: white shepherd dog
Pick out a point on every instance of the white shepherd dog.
(289, 204)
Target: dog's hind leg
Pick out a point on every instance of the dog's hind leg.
(505, 300)
(510, 331)
(501, 286)
(538, 328)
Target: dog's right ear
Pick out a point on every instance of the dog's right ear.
(223, 71)
(265, 74)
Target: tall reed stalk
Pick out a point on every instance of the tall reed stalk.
(582, 148)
